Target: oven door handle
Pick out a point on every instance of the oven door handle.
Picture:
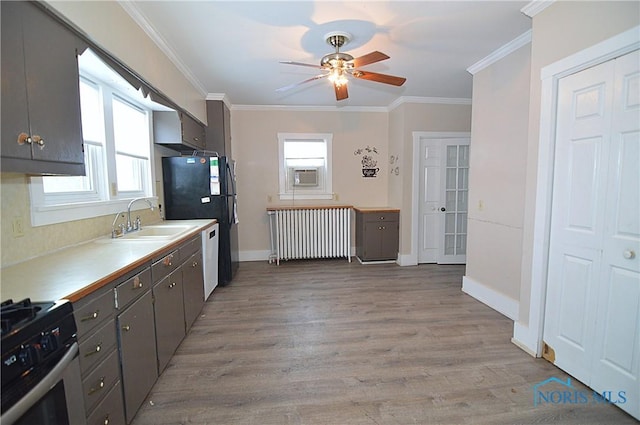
(23, 405)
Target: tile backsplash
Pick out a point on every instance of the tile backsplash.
(14, 202)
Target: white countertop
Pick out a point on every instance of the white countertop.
(75, 272)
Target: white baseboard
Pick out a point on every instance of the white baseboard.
(407, 260)
(523, 338)
(497, 301)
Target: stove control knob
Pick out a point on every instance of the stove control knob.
(48, 343)
(28, 356)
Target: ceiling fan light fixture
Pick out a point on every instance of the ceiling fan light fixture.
(337, 77)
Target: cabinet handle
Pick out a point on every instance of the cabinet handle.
(171, 285)
(38, 141)
(167, 260)
(100, 386)
(381, 217)
(95, 350)
(195, 139)
(92, 316)
(137, 284)
(126, 328)
(194, 264)
(106, 420)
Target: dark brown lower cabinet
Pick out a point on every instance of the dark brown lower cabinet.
(377, 233)
(137, 336)
(169, 314)
(193, 282)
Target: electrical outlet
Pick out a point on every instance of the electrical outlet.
(481, 205)
(18, 227)
(269, 199)
(336, 197)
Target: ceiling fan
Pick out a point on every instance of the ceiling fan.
(337, 66)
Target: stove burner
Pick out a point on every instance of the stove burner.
(12, 313)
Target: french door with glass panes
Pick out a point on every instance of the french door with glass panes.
(455, 190)
(442, 199)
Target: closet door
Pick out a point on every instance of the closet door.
(592, 317)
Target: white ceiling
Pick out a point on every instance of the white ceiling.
(234, 47)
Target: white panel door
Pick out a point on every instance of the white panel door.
(429, 201)
(617, 336)
(443, 199)
(592, 319)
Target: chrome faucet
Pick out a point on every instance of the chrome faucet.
(121, 228)
(131, 227)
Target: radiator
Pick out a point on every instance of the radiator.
(310, 232)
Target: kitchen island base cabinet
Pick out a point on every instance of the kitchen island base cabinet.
(377, 234)
(137, 336)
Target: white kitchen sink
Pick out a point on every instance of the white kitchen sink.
(162, 232)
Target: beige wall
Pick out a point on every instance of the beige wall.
(498, 159)
(404, 120)
(131, 45)
(109, 26)
(560, 30)
(255, 149)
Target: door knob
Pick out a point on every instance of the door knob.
(629, 254)
(443, 209)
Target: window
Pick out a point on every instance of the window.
(116, 126)
(305, 165)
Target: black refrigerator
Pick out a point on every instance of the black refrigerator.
(204, 187)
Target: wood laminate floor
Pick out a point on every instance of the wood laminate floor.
(332, 342)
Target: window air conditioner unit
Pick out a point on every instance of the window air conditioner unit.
(305, 177)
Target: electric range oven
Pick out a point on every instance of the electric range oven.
(41, 381)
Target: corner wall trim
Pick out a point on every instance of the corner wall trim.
(497, 301)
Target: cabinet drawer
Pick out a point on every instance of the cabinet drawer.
(110, 410)
(98, 382)
(132, 288)
(95, 347)
(381, 216)
(94, 313)
(190, 247)
(165, 265)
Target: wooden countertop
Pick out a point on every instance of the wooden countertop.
(376, 209)
(75, 272)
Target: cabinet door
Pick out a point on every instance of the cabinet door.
(53, 91)
(137, 353)
(389, 240)
(193, 281)
(371, 240)
(169, 316)
(14, 90)
(192, 131)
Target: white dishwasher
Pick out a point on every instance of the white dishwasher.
(210, 259)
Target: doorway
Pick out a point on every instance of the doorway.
(441, 170)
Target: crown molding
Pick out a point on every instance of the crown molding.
(219, 96)
(535, 7)
(310, 108)
(428, 100)
(138, 17)
(501, 53)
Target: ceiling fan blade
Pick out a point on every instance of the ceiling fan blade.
(290, 86)
(379, 78)
(341, 91)
(372, 57)
(301, 64)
